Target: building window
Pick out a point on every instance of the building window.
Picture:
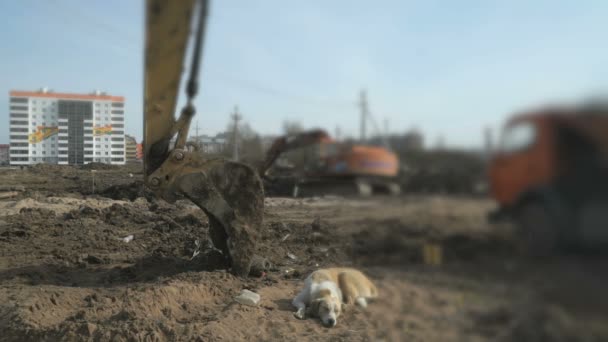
(43, 152)
(106, 153)
(33, 151)
(97, 153)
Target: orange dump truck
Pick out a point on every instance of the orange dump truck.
(333, 167)
(550, 175)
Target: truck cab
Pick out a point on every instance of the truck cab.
(550, 175)
(525, 159)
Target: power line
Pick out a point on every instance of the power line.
(260, 88)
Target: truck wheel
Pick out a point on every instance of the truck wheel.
(537, 229)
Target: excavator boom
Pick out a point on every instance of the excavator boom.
(167, 31)
(290, 142)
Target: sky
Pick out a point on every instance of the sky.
(447, 68)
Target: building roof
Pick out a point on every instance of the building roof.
(68, 96)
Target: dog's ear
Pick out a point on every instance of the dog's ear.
(314, 306)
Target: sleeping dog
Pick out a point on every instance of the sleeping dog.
(326, 290)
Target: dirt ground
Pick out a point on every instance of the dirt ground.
(90, 255)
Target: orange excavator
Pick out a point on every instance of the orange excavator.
(551, 176)
(327, 166)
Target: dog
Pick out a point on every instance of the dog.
(327, 291)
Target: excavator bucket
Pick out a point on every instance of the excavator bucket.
(230, 193)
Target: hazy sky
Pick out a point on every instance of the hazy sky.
(447, 67)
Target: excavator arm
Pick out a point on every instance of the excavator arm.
(290, 142)
(230, 193)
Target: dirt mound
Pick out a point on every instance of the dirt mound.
(540, 323)
(68, 314)
(129, 191)
(99, 166)
(395, 242)
(50, 168)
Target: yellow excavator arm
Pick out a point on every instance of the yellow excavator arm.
(167, 31)
(230, 193)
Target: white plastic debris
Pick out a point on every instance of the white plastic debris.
(292, 256)
(127, 239)
(285, 237)
(248, 298)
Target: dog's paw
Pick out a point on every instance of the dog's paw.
(300, 314)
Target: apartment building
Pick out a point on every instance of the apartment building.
(130, 148)
(66, 128)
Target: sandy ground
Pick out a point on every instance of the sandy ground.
(67, 274)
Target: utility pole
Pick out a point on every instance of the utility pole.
(338, 133)
(198, 138)
(488, 142)
(364, 114)
(385, 134)
(236, 117)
